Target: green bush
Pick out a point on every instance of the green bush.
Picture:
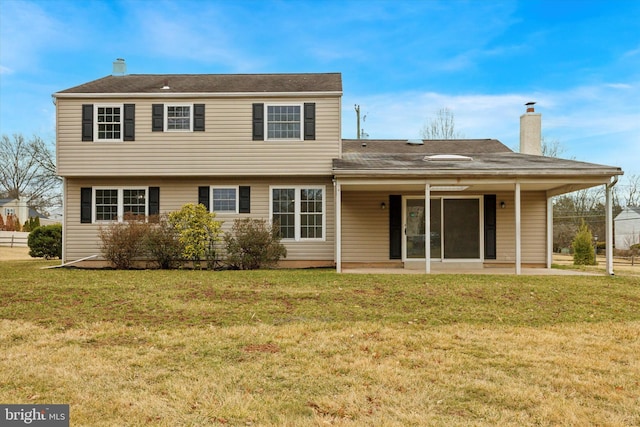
(162, 243)
(583, 251)
(46, 242)
(198, 232)
(31, 224)
(253, 244)
(122, 242)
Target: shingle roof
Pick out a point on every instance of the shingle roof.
(489, 157)
(427, 146)
(212, 83)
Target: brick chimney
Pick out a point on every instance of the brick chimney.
(531, 131)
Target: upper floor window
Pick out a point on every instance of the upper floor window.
(108, 123)
(283, 122)
(9, 211)
(178, 118)
(293, 122)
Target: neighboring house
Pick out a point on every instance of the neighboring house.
(270, 146)
(627, 225)
(15, 207)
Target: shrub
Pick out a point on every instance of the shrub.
(122, 242)
(198, 231)
(253, 244)
(46, 241)
(1, 223)
(583, 251)
(13, 223)
(162, 243)
(31, 224)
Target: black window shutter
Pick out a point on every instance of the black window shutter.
(157, 117)
(203, 197)
(154, 201)
(489, 226)
(258, 122)
(129, 122)
(245, 199)
(395, 227)
(310, 120)
(198, 117)
(87, 122)
(86, 196)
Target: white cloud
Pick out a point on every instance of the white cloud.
(205, 37)
(599, 124)
(5, 70)
(27, 31)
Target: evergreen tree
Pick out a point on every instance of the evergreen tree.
(583, 250)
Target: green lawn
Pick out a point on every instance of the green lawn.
(311, 347)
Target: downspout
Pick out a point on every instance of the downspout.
(609, 225)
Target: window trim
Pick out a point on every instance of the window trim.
(225, 187)
(283, 104)
(298, 213)
(120, 209)
(166, 117)
(96, 133)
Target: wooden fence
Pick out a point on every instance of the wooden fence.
(13, 239)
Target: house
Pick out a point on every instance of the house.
(16, 207)
(270, 146)
(627, 224)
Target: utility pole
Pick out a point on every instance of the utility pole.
(357, 108)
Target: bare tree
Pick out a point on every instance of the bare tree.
(551, 147)
(629, 193)
(442, 126)
(28, 172)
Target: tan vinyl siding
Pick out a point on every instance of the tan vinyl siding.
(533, 210)
(81, 240)
(224, 148)
(365, 227)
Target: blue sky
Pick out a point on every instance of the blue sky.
(401, 61)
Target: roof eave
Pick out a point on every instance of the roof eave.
(86, 95)
(461, 173)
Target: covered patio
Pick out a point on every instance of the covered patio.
(486, 209)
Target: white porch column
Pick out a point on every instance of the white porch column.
(518, 236)
(549, 231)
(609, 228)
(338, 204)
(427, 228)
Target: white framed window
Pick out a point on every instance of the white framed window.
(9, 211)
(117, 204)
(224, 199)
(108, 122)
(178, 117)
(284, 122)
(300, 211)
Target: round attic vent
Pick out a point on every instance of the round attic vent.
(447, 157)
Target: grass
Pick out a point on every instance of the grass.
(310, 347)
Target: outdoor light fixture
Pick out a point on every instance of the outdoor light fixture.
(383, 206)
(503, 205)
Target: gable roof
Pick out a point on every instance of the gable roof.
(629, 212)
(211, 83)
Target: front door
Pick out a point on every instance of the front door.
(455, 228)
